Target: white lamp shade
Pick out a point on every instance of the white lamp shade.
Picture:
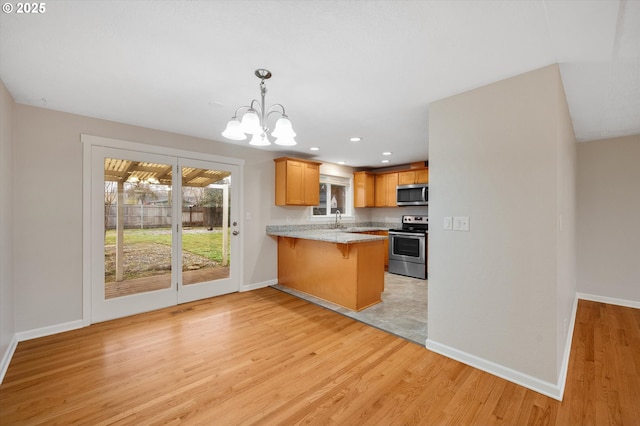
(259, 139)
(283, 129)
(251, 123)
(285, 141)
(234, 131)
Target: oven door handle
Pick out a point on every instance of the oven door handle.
(412, 236)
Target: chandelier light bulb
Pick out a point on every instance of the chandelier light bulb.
(259, 139)
(251, 123)
(283, 128)
(285, 141)
(234, 131)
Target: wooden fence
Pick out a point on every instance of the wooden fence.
(141, 216)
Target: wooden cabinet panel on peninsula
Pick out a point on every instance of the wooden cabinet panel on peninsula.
(364, 189)
(297, 182)
(413, 176)
(386, 245)
(349, 275)
(386, 184)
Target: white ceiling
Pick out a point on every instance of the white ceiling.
(341, 68)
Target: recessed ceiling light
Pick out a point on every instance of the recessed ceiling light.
(387, 153)
(314, 148)
(342, 162)
(356, 139)
(385, 161)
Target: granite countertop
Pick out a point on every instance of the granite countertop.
(340, 235)
(363, 228)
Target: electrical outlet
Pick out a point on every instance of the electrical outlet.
(448, 222)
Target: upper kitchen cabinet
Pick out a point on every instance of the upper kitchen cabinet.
(297, 182)
(385, 185)
(413, 176)
(363, 189)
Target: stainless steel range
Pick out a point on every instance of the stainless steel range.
(408, 247)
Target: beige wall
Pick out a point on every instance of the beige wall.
(503, 155)
(7, 326)
(608, 225)
(48, 208)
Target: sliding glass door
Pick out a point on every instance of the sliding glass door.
(162, 231)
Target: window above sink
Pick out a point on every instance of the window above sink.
(335, 194)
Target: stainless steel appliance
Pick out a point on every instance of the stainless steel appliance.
(416, 194)
(408, 247)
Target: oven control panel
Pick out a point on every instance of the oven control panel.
(419, 219)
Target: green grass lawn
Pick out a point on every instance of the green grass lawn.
(207, 243)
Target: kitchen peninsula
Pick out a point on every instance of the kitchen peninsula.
(341, 266)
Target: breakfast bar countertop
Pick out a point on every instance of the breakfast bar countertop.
(340, 235)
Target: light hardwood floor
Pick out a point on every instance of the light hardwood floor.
(265, 357)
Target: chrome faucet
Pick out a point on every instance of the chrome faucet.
(338, 217)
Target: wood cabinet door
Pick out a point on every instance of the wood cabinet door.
(369, 189)
(381, 191)
(422, 176)
(406, 178)
(392, 183)
(364, 192)
(295, 182)
(311, 183)
(413, 176)
(385, 185)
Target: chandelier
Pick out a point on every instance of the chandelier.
(254, 120)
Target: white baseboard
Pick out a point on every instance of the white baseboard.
(564, 368)
(6, 357)
(48, 331)
(609, 300)
(256, 286)
(546, 388)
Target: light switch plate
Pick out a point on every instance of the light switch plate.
(448, 222)
(461, 223)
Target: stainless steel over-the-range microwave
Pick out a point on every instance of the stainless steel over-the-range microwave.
(416, 194)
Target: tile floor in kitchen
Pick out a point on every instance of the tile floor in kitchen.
(403, 310)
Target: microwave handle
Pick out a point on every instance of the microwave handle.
(424, 190)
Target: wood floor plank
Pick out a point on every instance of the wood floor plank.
(265, 357)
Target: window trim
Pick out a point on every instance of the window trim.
(335, 178)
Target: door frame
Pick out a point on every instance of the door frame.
(88, 142)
